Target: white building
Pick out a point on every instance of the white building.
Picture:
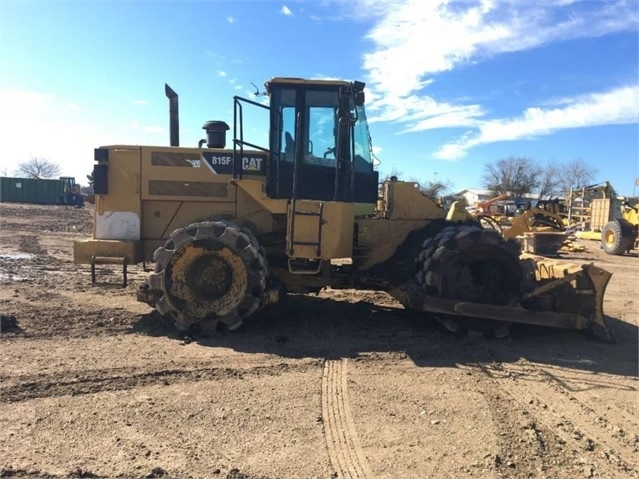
(475, 195)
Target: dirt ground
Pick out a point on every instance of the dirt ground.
(341, 385)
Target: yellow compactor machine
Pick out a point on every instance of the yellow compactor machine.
(230, 230)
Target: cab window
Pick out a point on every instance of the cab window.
(321, 134)
(362, 160)
(288, 133)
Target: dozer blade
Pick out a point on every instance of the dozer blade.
(566, 296)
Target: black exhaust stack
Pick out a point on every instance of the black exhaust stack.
(174, 115)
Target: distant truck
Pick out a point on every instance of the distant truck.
(60, 191)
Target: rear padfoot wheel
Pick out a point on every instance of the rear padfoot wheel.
(209, 275)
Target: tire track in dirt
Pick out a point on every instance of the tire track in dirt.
(524, 448)
(630, 421)
(344, 449)
(27, 387)
(573, 423)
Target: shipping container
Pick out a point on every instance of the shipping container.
(33, 190)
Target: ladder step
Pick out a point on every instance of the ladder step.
(296, 267)
(305, 243)
(314, 214)
(306, 213)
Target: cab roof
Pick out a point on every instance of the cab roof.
(308, 80)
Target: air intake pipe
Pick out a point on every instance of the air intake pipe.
(215, 134)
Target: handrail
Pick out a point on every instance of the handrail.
(239, 142)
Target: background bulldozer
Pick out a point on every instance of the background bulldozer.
(231, 230)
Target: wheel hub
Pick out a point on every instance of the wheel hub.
(610, 238)
(209, 277)
(205, 279)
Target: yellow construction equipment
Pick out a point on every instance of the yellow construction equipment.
(586, 206)
(231, 229)
(620, 234)
(483, 207)
(534, 219)
(611, 221)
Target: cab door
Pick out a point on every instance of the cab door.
(303, 139)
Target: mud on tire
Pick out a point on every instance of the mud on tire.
(470, 263)
(209, 275)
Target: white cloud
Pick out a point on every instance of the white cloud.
(417, 38)
(419, 113)
(286, 11)
(618, 106)
(448, 116)
(451, 151)
(230, 19)
(221, 73)
(415, 41)
(70, 135)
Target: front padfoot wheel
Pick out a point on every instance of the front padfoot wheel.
(468, 263)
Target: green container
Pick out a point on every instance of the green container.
(31, 190)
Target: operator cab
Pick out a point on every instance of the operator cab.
(319, 142)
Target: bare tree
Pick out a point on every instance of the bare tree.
(549, 181)
(38, 168)
(576, 174)
(395, 173)
(435, 189)
(514, 175)
(450, 198)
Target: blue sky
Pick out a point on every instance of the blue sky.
(450, 85)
